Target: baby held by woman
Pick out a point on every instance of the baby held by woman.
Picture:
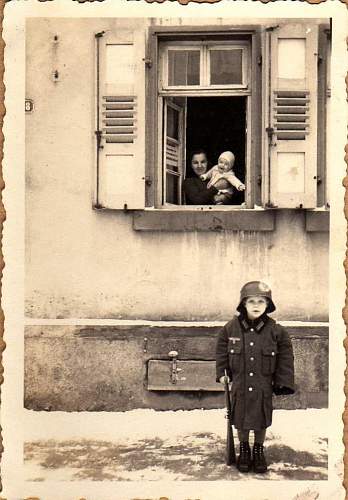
(222, 177)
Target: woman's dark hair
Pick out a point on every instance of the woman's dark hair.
(198, 152)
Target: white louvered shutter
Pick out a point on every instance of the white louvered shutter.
(121, 120)
(293, 116)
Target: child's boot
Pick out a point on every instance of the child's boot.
(259, 461)
(244, 459)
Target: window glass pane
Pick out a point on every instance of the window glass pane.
(172, 123)
(172, 188)
(226, 66)
(183, 67)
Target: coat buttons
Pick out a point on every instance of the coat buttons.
(251, 374)
(251, 343)
(252, 359)
(232, 351)
(251, 329)
(273, 353)
(250, 389)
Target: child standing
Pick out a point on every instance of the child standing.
(223, 178)
(257, 355)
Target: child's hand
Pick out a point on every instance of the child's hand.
(241, 187)
(224, 379)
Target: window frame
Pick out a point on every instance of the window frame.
(205, 47)
(154, 112)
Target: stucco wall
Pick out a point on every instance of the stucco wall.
(83, 263)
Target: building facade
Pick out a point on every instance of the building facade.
(126, 284)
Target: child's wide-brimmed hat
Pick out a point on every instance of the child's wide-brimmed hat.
(256, 288)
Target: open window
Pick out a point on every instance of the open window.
(204, 95)
(219, 89)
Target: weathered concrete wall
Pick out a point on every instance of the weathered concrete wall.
(83, 263)
(98, 368)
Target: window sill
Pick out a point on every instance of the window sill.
(317, 220)
(204, 219)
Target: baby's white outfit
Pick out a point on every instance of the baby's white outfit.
(215, 175)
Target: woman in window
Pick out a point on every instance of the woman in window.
(195, 189)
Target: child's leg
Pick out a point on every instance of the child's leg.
(243, 435)
(260, 436)
(259, 461)
(244, 458)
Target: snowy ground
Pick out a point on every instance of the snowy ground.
(156, 446)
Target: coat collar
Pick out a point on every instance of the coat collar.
(257, 324)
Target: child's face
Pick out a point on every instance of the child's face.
(255, 306)
(224, 165)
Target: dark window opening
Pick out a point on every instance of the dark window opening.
(217, 124)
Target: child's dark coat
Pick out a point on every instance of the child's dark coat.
(259, 360)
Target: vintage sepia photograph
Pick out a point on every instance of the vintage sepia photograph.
(177, 189)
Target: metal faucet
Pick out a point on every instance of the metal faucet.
(175, 369)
